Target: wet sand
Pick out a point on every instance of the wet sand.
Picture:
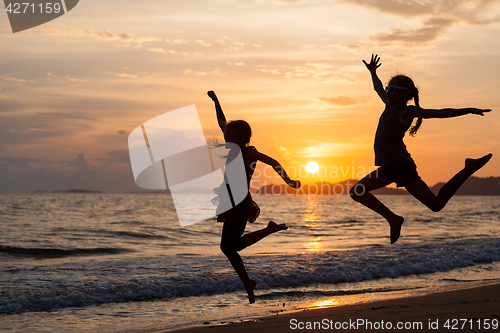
(466, 310)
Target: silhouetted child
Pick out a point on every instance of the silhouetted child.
(235, 220)
(394, 161)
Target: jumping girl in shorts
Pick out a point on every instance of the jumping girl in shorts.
(394, 161)
(235, 220)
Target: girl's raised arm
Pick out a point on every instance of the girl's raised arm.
(377, 84)
(221, 119)
(276, 166)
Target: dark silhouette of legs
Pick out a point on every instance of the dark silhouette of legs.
(254, 237)
(239, 267)
(422, 193)
(232, 241)
(418, 188)
(361, 193)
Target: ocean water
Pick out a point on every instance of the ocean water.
(73, 262)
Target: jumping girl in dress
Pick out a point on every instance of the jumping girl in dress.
(235, 220)
(394, 161)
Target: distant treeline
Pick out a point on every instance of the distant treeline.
(75, 190)
(476, 186)
(473, 186)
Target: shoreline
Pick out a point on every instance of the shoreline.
(468, 308)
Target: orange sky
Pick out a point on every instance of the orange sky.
(72, 90)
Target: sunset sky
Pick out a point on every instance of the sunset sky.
(73, 89)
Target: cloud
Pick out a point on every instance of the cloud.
(60, 118)
(231, 44)
(323, 71)
(316, 70)
(79, 163)
(203, 43)
(15, 79)
(101, 35)
(474, 12)
(126, 37)
(404, 8)
(342, 100)
(274, 71)
(25, 164)
(31, 174)
(240, 63)
(177, 41)
(432, 30)
(9, 104)
(125, 75)
(330, 149)
(159, 50)
(438, 17)
(118, 156)
(29, 130)
(20, 164)
(74, 79)
(21, 129)
(284, 151)
(201, 73)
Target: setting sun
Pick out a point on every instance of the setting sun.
(312, 167)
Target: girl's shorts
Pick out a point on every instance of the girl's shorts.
(401, 176)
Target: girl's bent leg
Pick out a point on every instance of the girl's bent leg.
(422, 193)
(361, 193)
(254, 237)
(452, 186)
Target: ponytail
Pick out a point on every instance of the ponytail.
(414, 128)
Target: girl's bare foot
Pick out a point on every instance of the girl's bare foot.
(273, 227)
(474, 164)
(249, 287)
(396, 224)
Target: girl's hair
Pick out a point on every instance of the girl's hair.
(240, 127)
(405, 81)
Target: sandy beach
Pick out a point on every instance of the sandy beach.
(474, 309)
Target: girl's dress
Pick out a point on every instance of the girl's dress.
(396, 163)
(235, 219)
(247, 209)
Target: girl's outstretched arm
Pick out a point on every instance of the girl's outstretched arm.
(411, 112)
(377, 84)
(221, 119)
(276, 166)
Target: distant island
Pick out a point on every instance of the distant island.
(75, 190)
(473, 186)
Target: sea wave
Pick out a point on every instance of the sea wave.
(41, 253)
(137, 279)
